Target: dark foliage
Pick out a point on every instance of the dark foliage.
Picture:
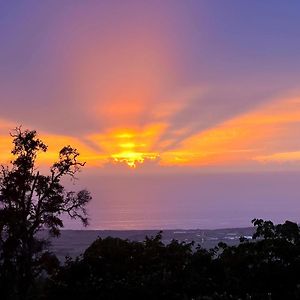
(266, 267)
(29, 202)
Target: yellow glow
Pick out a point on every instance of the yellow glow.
(264, 135)
(127, 145)
(133, 158)
(124, 135)
(131, 146)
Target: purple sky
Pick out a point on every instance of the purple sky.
(186, 112)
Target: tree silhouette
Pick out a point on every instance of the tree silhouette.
(29, 202)
(263, 268)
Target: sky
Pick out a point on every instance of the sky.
(165, 100)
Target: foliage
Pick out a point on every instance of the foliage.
(265, 268)
(29, 202)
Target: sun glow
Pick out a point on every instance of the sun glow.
(130, 152)
(130, 146)
(251, 138)
(133, 158)
(129, 155)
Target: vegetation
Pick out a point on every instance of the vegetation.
(266, 267)
(29, 202)
(111, 268)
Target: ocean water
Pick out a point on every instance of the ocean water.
(189, 201)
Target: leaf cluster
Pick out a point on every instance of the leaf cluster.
(30, 202)
(266, 267)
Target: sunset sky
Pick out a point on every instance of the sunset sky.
(180, 108)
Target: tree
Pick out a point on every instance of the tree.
(112, 268)
(29, 202)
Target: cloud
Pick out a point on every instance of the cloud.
(274, 125)
(282, 157)
(238, 138)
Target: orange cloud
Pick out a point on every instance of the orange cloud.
(55, 143)
(281, 157)
(240, 139)
(5, 141)
(269, 133)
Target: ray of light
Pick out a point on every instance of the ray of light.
(255, 136)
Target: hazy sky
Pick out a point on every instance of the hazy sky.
(160, 87)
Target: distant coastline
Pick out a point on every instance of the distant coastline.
(74, 242)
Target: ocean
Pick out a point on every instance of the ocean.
(188, 201)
